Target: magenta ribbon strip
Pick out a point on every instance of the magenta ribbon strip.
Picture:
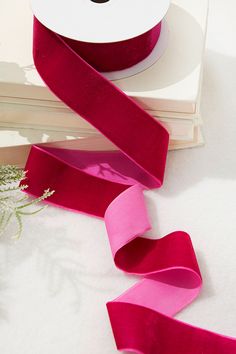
(109, 184)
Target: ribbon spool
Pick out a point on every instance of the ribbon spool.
(110, 184)
(127, 38)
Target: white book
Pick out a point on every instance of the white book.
(61, 119)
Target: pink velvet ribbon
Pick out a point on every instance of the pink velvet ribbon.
(110, 184)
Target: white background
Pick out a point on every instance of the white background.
(55, 281)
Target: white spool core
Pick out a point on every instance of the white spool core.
(110, 21)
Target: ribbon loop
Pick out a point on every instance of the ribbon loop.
(110, 185)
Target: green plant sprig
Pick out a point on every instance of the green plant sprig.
(12, 204)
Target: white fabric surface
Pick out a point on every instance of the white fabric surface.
(55, 281)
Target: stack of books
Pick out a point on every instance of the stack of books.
(169, 90)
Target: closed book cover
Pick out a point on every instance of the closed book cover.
(61, 119)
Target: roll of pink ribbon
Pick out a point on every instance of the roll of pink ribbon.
(109, 184)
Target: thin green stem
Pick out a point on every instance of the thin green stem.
(11, 205)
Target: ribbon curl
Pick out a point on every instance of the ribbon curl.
(110, 184)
